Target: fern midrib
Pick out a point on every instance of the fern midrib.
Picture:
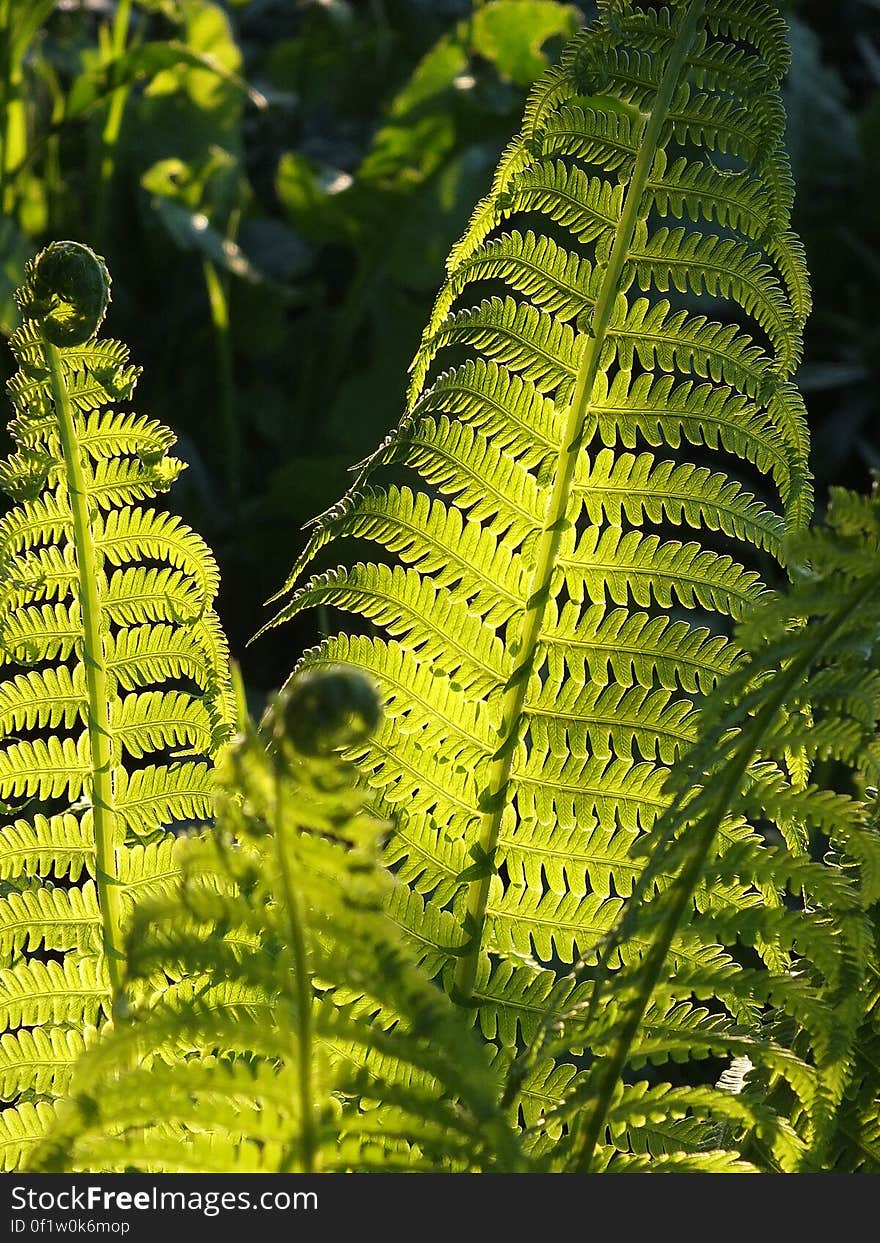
(572, 440)
(302, 1154)
(95, 668)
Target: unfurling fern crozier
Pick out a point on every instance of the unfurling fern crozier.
(115, 680)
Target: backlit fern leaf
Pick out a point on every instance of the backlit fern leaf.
(611, 844)
(626, 302)
(115, 679)
(810, 687)
(305, 1037)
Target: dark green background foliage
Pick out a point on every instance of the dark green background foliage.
(307, 190)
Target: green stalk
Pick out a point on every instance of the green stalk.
(4, 96)
(15, 139)
(113, 121)
(13, 128)
(573, 437)
(19, 26)
(301, 990)
(94, 661)
(219, 301)
(680, 893)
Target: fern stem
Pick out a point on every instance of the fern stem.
(573, 437)
(95, 665)
(301, 989)
(681, 891)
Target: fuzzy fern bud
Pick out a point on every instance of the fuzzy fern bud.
(327, 710)
(67, 290)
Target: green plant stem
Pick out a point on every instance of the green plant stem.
(15, 141)
(5, 68)
(680, 893)
(301, 990)
(573, 436)
(113, 122)
(219, 303)
(13, 127)
(94, 662)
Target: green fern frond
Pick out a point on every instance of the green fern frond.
(606, 743)
(94, 686)
(530, 597)
(63, 844)
(41, 1061)
(73, 992)
(304, 1036)
(809, 688)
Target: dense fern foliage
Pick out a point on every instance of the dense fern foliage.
(540, 626)
(305, 1037)
(625, 917)
(114, 695)
(806, 1092)
(308, 1039)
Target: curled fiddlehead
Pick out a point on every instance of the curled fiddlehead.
(327, 710)
(67, 291)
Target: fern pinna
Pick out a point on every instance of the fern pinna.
(115, 692)
(609, 360)
(309, 1039)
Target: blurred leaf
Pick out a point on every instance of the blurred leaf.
(420, 131)
(33, 204)
(186, 109)
(209, 185)
(420, 135)
(147, 61)
(208, 37)
(409, 151)
(15, 250)
(278, 252)
(434, 74)
(511, 34)
(309, 196)
(192, 231)
(191, 201)
(26, 23)
(418, 249)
